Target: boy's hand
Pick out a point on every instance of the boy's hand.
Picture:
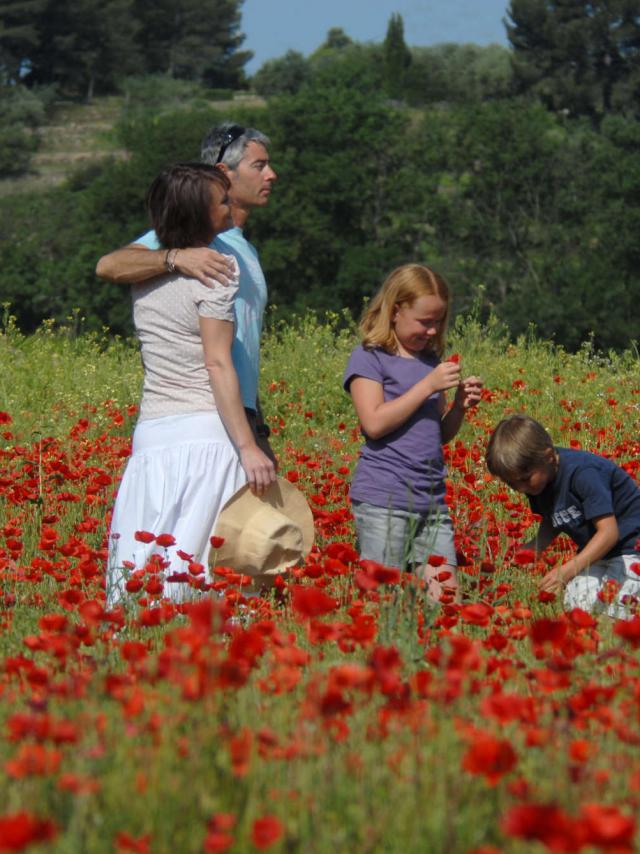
(556, 580)
(469, 392)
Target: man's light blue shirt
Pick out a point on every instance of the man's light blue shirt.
(250, 303)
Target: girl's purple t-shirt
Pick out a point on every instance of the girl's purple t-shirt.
(404, 469)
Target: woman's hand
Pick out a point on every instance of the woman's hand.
(260, 470)
(217, 340)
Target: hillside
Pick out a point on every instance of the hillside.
(77, 135)
(80, 134)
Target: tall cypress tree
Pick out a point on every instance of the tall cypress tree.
(397, 58)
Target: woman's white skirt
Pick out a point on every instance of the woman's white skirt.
(182, 470)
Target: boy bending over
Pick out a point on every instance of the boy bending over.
(580, 494)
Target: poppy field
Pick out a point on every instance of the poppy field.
(344, 713)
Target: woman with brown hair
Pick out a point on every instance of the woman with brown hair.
(192, 446)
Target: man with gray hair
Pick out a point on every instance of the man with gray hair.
(241, 153)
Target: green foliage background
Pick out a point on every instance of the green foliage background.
(531, 213)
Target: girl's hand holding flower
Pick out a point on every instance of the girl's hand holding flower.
(469, 393)
(446, 375)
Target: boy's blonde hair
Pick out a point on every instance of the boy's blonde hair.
(518, 445)
(403, 286)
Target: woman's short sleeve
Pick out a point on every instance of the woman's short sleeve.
(218, 301)
(362, 363)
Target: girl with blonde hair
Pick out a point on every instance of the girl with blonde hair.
(398, 382)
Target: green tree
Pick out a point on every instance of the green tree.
(329, 232)
(84, 45)
(458, 74)
(582, 58)
(22, 112)
(496, 207)
(19, 36)
(193, 39)
(282, 76)
(397, 58)
(526, 205)
(336, 39)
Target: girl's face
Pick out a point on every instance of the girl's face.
(417, 325)
(219, 210)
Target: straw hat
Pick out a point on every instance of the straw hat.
(265, 535)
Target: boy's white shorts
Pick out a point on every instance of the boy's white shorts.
(582, 591)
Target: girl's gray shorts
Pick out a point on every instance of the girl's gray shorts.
(402, 538)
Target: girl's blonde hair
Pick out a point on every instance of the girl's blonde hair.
(402, 287)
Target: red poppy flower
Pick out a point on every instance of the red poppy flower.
(144, 536)
(524, 556)
(545, 822)
(222, 821)
(580, 750)
(607, 827)
(311, 601)
(195, 568)
(551, 631)
(379, 573)
(266, 831)
(136, 845)
(454, 357)
(478, 614)
(165, 540)
(582, 619)
(33, 760)
(489, 756)
(216, 542)
(217, 841)
(133, 650)
(17, 830)
(240, 751)
(629, 630)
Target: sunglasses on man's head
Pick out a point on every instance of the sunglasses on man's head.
(229, 136)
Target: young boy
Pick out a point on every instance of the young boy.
(580, 494)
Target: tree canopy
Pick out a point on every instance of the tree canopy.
(579, 57)
(530, 209)
(82, 46)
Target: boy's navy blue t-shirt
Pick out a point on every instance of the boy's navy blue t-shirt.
(585, 487)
